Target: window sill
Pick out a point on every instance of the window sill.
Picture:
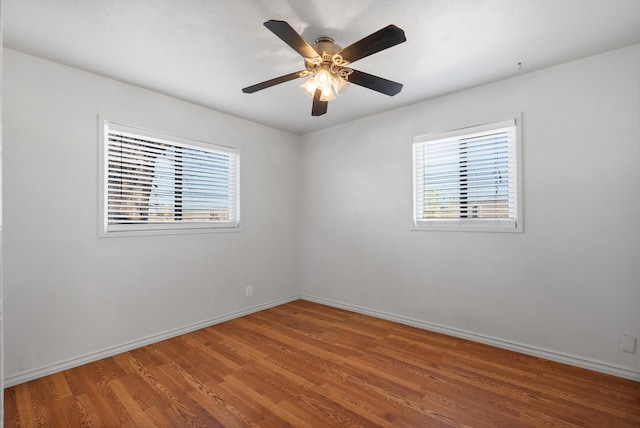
(168, 231)
(459, 227)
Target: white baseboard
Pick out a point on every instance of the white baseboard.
(573, 360)
(36, 373)
(599, 366)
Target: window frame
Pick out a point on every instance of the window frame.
(470, 224)
(158, 228)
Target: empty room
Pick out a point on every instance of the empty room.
(411, 213)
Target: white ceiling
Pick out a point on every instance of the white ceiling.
(206, 51)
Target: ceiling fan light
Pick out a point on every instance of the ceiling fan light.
(327, 94)
(323, 79)
(309, 87)
(340, 85)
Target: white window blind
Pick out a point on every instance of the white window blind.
(158, 182)
(467, 178)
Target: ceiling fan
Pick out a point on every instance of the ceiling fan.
(326, 64)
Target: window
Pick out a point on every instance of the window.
(468, 179)
(154, 182)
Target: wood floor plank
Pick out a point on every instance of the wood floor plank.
(275, 414)
(18, 408)
(304, 364)
(136, 415)
(83, 414)
(90, 396)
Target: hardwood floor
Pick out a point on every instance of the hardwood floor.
(304, 364)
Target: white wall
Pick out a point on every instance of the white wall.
(566, 288)
(71, 295)
(1, 285)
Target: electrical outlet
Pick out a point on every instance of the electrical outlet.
(628, 344)
(248, 291)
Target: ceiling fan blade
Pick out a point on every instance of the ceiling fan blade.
(380, 40)
(319, 107)
(288, 35)
(272, 82)
(387, 87)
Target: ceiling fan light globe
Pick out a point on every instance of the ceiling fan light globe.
(327, 94)
(323, 79)
(340, 85)
(309, 87)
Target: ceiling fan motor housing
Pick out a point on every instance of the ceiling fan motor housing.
(326, 44)
(328, 57)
